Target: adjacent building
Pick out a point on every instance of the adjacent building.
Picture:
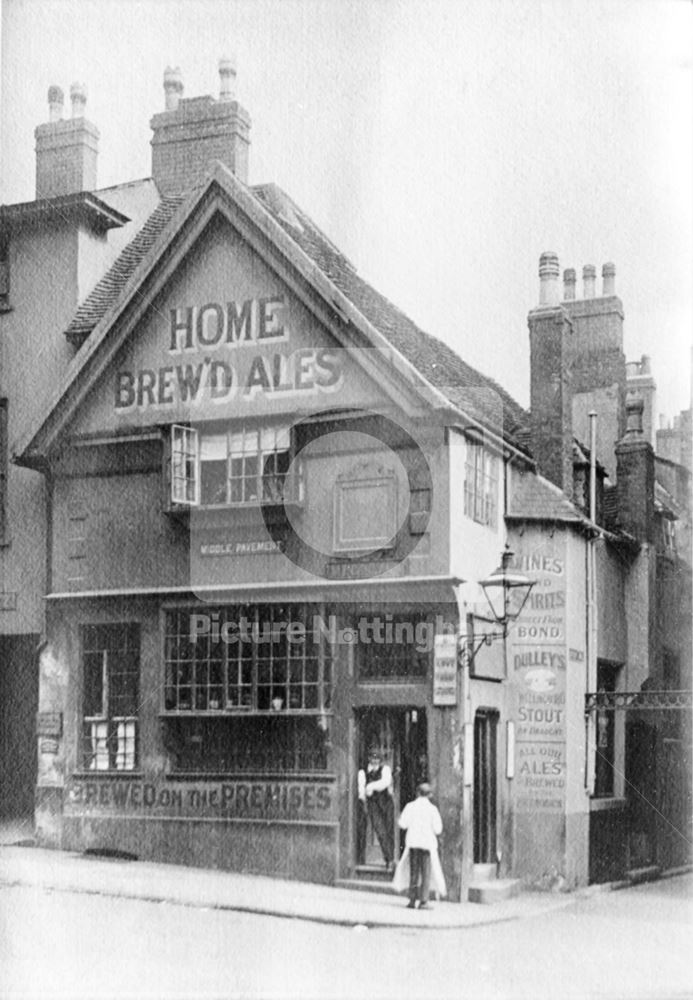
(250, 506)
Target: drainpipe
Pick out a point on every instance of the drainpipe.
(591, 637)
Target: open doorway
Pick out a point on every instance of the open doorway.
(485, 786)
(18, 758)
(397, 740)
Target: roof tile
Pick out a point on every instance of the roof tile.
(107, 290)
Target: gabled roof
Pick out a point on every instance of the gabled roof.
(321, 263)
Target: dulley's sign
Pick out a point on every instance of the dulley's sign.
(210, 357)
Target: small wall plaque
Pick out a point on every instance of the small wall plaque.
(445, 670)
(8, 600)
(49, 724)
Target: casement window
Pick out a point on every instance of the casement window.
(185, 480)
(668, 535)
(247, 659)
(481, 485)
(110, 677)
(232, 467)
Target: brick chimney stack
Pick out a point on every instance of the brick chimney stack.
(598, 361)
(193, 132)
(66, 149)
(550, 341)
(635, 476)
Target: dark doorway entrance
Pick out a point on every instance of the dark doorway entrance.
(18, 707)
(401, 737)
(658, 789)
(485, 786)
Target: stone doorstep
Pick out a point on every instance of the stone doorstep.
(376, 873)
(484, 873)
(647, 874)
(366, 885)
(493, 891)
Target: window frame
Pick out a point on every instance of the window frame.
(183, 456)
(607, 742)
(109, 737)
(481, 478)
(668, 536)
(187, 445)
(398, 652)
(253, 705)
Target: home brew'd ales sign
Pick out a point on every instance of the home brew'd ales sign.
(217, 352)
(539, 672)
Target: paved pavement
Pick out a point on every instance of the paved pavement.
(62, 871)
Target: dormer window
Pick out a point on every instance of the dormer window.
(232, 467)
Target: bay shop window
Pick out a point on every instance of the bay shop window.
(247, 688)
(233, 466)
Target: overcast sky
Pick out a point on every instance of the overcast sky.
(443, 146)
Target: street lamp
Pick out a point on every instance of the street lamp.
(506, 592)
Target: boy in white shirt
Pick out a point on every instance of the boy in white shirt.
(423, 824)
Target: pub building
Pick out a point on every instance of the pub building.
(270, 501)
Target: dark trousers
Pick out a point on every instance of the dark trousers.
(381, 810)
(419, 874)
(361, 831)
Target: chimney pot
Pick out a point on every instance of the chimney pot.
(569, 283)
(548, 279)
(645, 366)
(56, 99)
(173, 87)
(609, 279)
(589, 279)
(634, 411)
(78, 97)
(227, 78)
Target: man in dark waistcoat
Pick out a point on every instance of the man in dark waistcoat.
(375, 789)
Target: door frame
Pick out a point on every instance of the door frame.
(366, 720)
